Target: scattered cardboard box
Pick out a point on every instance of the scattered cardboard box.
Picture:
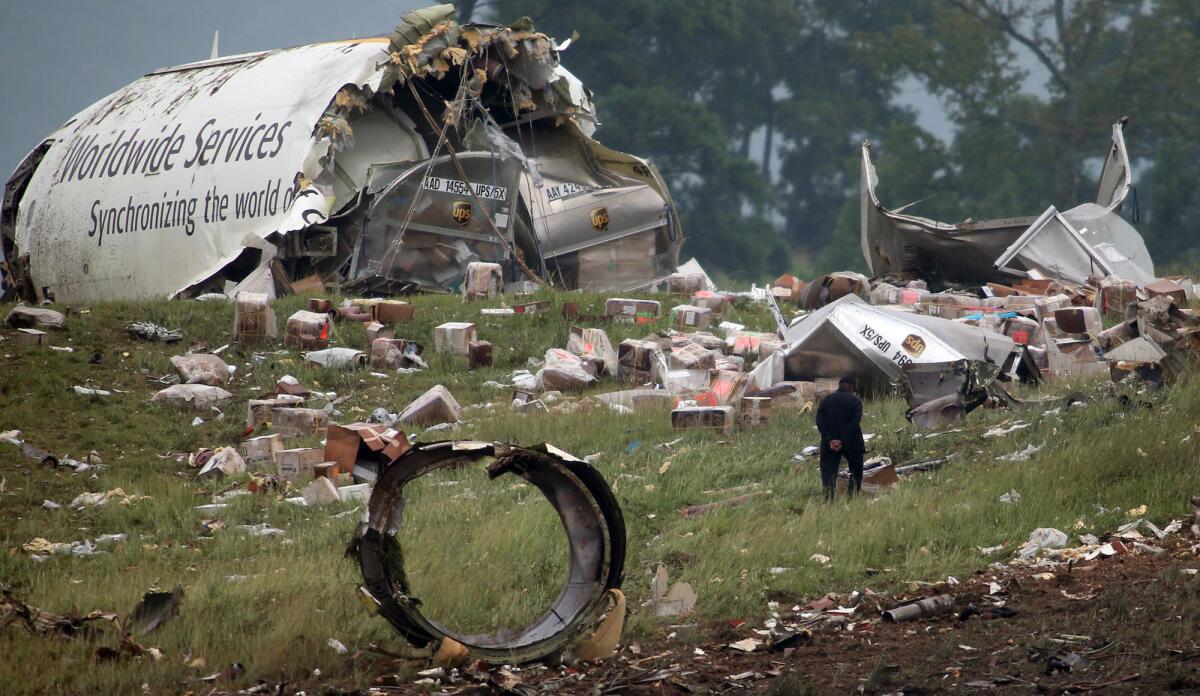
(299, 422)
(307, 331)
(719, 418)
(454, 337)
(297, 464)
(691, 317)
(433, 407)
(632, 311)
(253, 318)
(345, 444)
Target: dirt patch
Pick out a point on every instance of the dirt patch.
(1125, 624)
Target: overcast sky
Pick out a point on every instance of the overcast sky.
(59, 56)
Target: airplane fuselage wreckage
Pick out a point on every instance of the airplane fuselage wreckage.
(374, 166)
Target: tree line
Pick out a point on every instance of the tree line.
(754, 110)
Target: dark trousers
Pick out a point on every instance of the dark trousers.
(829, 471)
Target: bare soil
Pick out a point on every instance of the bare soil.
(1131, 620)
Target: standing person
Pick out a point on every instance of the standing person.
(838, 419)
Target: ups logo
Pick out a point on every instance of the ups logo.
(600, 219)
(460, 212)
(913, 344)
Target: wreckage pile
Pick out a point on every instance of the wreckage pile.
(380, 165)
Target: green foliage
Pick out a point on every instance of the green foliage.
(697, 85)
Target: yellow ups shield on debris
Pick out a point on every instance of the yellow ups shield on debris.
(600, 219)
(461, 212)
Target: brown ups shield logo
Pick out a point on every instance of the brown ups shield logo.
(600, 219)
(914, 345)
(461, 212)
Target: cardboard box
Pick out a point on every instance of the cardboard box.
(691, 317)
(685, 284)
(258, 411)
(790, 286)
(378, 330)
(393, 312)
(756, 412)
(1115, 295)
(454, 337)
(691, 356)
(531, 307)
(1035, 286)
(479, 354)
(632, 311)
(307, 331)
(260, 452)
(253, 318)
(715, 301)
(1024, 331)
(299, 422)
(719, 418)
(635, 361)
(1078, 320)
(1047, 306)
(435, 406)
(727, 386)
(483, 280)
(678, 382)
(320, 305)
(297, 464)
(1169, 288)
(30, 337)
(345, 444)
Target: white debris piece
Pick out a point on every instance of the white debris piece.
(1021, 456)
(262, 529)
(337, 646)
(999, 431)
(1042, 538)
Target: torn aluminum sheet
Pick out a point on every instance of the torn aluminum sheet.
(1053, 247)
(897, 243)
(591, 518)
(314, 163)
(875, 344)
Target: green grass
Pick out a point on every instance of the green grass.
(487, 554)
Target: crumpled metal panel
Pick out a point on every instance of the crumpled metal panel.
(1084, 242)
(875, 344)
(897, 243)
(425, 227)
(156, 186)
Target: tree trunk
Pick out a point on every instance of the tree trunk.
(769, 141)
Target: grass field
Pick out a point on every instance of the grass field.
(486, 554)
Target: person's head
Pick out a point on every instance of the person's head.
(848, 383)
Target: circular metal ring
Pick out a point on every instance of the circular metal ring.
(590, 517)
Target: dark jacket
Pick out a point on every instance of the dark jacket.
(838, 418)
